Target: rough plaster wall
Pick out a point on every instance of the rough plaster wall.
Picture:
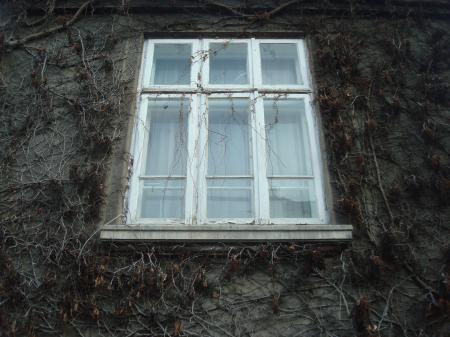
(382, 91)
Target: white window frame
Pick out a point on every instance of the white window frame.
(195, 225)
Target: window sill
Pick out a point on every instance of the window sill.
(227, 232)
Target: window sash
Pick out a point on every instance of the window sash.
(200, 61)
(140, 141)
(199, 92)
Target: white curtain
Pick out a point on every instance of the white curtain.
(228, 63)
(280, 64)
(166, 156)
(228, 137)
(287, 137)
(289, 154)
(171, 64)
(229, 154)
(167, 140)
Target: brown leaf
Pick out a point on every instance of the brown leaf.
(178, 328)
(276, 304)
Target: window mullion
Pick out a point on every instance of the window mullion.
(202, 158)
(260, 174)
(147, 66)
(256, 64)
(303, 60)
(255, 164)
(191, 165)
(138, 159)
(196, 64)
(316, 164)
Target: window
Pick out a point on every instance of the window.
(226, 141)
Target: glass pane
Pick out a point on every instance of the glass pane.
(287, 139)
(171, 64)
(292, 198)
(280, 63)
(228, 63)
(167, 141)
(230, 198)
(228, 137)
(163, 198)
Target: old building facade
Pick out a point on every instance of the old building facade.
(225, 168)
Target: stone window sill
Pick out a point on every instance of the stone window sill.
(227, 233)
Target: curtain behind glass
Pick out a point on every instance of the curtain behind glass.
(280, 64)
(289, 166)
(167, 141)
(228, 63)
(171, 64)
(230, 188)
(288, 145)
(164, 177)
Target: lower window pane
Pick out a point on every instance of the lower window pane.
(230, 198)
(163, 198)
(292, 198)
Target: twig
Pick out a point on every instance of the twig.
(16, 43)
(380, 185)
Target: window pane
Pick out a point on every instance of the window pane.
(228, 137)
(280, 63)
(287, 139)
(167, 141)
(171, 64)
(230, 198)
(228, 63)
(163, 198)
(292, 198)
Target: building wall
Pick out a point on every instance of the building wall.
(67, 102)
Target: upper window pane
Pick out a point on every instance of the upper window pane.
(280, 64)
(171, 64)
(287, 138)
(228, 63)
(167, 140)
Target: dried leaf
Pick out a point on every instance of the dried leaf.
(178, 328)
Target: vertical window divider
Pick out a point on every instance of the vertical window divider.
(263, 187)
(256, 63)
(206, 58)
(148, 60)
(191, 165)
(255, 163)
(138, 159)
(316, 164)
(202, 158)
(304, 66)
(195, 63)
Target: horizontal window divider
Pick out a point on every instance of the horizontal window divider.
(282, 91)
(289, 177)
(228, 188)
(168, 90)
(165, 188)
(290, 188)
(229, 177)
(210, 91)
(161, 177)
